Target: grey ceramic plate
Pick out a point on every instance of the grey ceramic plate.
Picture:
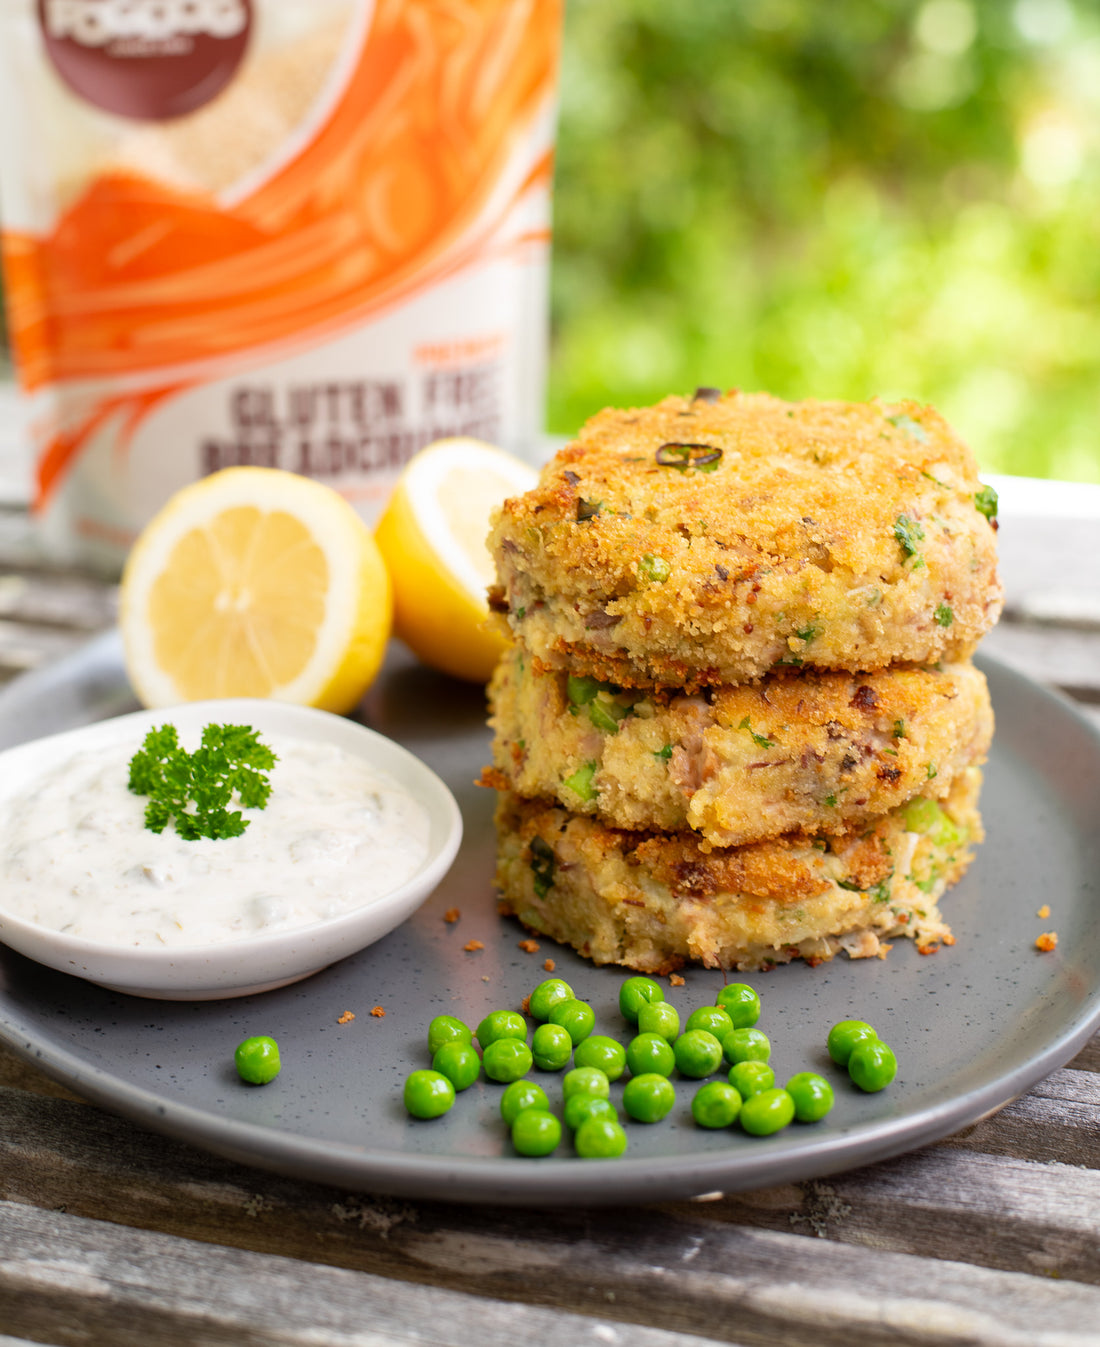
(973, 1027)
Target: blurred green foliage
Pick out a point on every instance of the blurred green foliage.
(827, 200)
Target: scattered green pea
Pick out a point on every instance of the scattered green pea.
(600, 1139)
(546, 995)
(812, 1095)
(507, 1059)
(428, 1094)
(580, 1107)
(844, 1036)
(551, 1047)
(698, 1053)
(659, 1017)
(767, 1112)
(746, 1045)
(257, 1060)
(500, 1024)
(741, 1004)
(585, 1080)
(711, 1018)
(519, 1095)
(649, 1097)
(602, 1052)
(535, 1132)
(749, 1078)
(872, 1065)
(458, 1062)
(648, 1053)
(577, 1018)
(716, 1104)
(636, 992)
(447, 1029)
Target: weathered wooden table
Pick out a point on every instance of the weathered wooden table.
(111, 1235)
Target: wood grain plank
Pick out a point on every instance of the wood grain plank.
(995, 1211)
(75, 602)
(1058, 1120)
(89, 1283)
(1088, 1059)
(743, 1286)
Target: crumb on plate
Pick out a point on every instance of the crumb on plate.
(1047, 941)
(472, 945)
(1044, 911)
(451, 915)
(346, 1017)
(675, 980)
(529, 946)
(377, 1012)
(549, 965)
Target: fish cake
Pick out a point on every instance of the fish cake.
(655, 901)
(702, 542)
(809, 750)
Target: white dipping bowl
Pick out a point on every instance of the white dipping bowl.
(249, 964)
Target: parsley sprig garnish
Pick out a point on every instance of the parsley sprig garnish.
(231, 760)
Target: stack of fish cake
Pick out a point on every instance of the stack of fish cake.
(739, 723)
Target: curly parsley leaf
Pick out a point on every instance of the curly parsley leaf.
(908, 532)
(760, 740)
(230, 761)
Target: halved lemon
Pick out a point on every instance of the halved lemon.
(255, 583)
(432, 536)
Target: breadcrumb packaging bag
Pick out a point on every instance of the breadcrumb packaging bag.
(306, 234)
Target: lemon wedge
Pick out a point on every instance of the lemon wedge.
(255, 583)
(432, 536)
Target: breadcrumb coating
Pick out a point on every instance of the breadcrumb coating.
(804, 750)
(704, 542)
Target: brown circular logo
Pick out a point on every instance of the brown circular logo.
(146, 59)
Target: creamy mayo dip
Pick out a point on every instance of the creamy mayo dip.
(75, 855)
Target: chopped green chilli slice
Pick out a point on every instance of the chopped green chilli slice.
(943, 614)
(909, 533)
(985, 502)
(581, 689)
(542, 866)
(664, 753)
(605, 714)
(899, 729)
(580, 783)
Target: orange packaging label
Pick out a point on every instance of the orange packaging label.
(310, 234)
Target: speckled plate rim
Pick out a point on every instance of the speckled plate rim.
(567, 1180)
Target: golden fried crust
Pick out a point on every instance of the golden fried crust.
(798, 750)
(837, 535)
(653, 901)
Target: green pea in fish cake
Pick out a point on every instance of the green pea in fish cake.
(810, 750)
(710, 540)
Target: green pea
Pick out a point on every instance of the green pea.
(577, 1018)
(716, 1104)
(551, 1047)
(600, 1139)
(428, 1094)
(580, 1107)
(741, 1004)
(698, 1053)
(548, 994)
(749, 1078)
(519, 1095)
(844, 1036)
(459, 1063)
(711, 1018)
(635, 993)
(767, 1112)
(649, 1097)
(812, 1095)
(585, 1080)
(535, 1132)
(746, 1045)
(659, 1017)
(648, 1053)
(602, 1052)
(872, 1065)
(507, 1059)
(257, 1060)
(500, 1024)
(446, 1029)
